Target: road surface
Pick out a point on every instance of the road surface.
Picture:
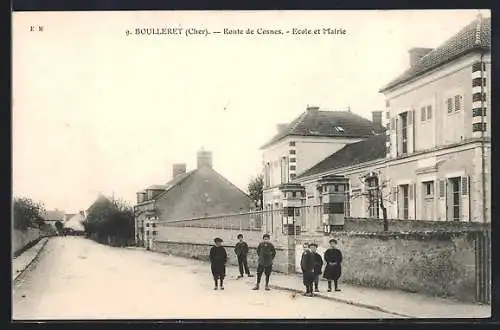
(76, 278)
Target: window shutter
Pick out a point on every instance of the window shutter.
(393, 124)
(410, 191)
(394, 193)
(441, 188)
(465, 185)
(450, 104)
(422, 114)
(429, 112)
(458, 102)
(410, 117)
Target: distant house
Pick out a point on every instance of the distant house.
(52, 216)
(197, 193)
(75, 223)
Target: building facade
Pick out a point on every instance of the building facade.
(306, 141)
(438, 135)
(431, 163)
(198, 193)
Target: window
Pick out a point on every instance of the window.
(404, 132)
(387, 115)
(428, 189)
(293, 160)
(284, 170)
(455, 103)
(292, 167)
(404, 201)
(373, 197)
(292, 151)
(293, 176)
(429, 112)
(455, 198)
(339, 129)
(458, 102)
(449, 103)
(393, 123)
(292, 144)
(267, 174)
(333, 208)
(423, 115)
(294, 194)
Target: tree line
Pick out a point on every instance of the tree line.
(110, 222)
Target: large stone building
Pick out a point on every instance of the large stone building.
(432, 162)
(198, 193)
(307, 140)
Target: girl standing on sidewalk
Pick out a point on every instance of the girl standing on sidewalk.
(333, 269)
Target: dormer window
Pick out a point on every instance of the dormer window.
(339, 129)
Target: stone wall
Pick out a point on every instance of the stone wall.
(377, 225)
(439, 264)
(201, 251)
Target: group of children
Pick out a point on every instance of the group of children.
(311, 263)
(218, 259)
(312, 266)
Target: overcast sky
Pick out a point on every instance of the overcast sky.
(96, 111)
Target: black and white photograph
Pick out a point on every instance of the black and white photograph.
(272, 164)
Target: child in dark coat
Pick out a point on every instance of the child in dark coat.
(241, 250)
(218, 259)
(318, 265)
(307, 266)
(266, 253)
(333, 269)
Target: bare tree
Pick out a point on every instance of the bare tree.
(376, 193)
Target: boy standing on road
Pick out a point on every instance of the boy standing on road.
(241, 250)
(307, 266)
(218, 259)
(266, 253)
(318, 265)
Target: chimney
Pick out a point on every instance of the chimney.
(204, 159)
(281, 127)
(312, 108)
(417, 53)
(82, 213)
(377, 120)
(178, 169)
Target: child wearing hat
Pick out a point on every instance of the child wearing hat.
(318, 264)
(218, 259)
(266, 253)
(333, 268)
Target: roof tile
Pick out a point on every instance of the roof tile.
(476, 35)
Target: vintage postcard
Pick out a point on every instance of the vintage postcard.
(251, 165)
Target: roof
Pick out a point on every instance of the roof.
(157, 187)
(324, 123)
(170, 184)
(352, 154)
(53, 215)
(69, 215)
(75, 222)
(200, 193)
(476, 35)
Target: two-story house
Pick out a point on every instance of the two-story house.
(438, 132)
(198, 193)
(307, 140)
